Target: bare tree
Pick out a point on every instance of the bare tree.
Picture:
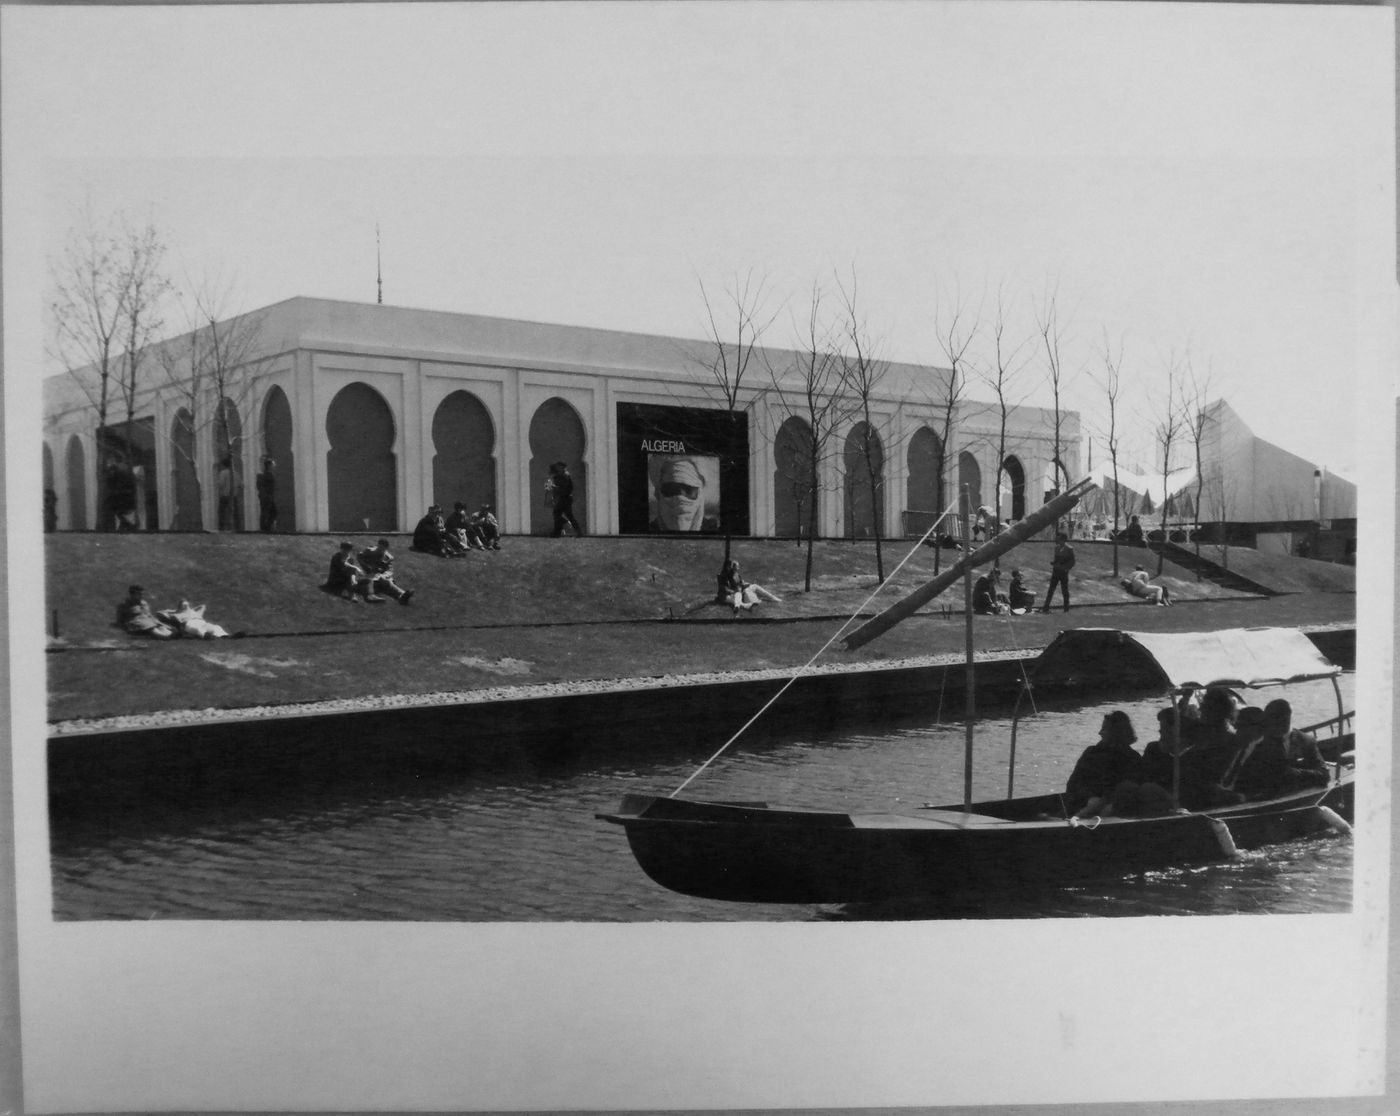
(863, 370)
(213, 367)
(1167, 432)
(1198, 416)
(1008, 363)
(1052, 336)
(955, 337)
(810, 390)
(1113, 364)
(107, 287)
(735, 336)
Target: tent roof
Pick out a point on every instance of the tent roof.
(1240, 657)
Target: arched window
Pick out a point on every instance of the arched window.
(228, 447)
(189, 512)
(924, 499)
(793, 494)
(277, 444)
(1013, 500)
(556, 434)
(464, 443)
(864, 461)
(361, 470)
(77, 485)
(970, 478)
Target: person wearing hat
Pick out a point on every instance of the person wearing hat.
(1102, 766)
(560, 488)
(680, 497)
(378, 564)
(134, 615)
(488, 530)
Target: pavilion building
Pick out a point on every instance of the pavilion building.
(372, 413)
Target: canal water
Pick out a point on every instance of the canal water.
(513, 836)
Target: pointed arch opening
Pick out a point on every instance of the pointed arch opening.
(184, 476)
(464, 452)
(277, 444)
(794, 496)
(864, 460)
(361, 469)
(557, 434)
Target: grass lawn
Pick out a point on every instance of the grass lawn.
(558, 610)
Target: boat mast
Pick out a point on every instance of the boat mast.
(968, 680)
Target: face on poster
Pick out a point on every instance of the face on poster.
(684, 492)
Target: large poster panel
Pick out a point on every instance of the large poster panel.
(682, 470)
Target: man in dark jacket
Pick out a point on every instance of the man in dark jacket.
(1060, 565)
(561, 494)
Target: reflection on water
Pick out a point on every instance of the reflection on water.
(510, 836)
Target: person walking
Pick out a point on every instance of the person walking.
(561, 494)
(1060, 565)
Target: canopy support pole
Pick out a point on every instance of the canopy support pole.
(970, 681)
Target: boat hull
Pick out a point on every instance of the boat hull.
(753, 853)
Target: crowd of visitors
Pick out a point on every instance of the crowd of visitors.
(1215, 753)
(458, 534)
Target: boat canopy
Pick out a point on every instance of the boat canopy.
(1237, 657)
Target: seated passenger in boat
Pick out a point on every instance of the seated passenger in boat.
(1211, 747)
(1102, 767)
(1283, 759)
(986, 600)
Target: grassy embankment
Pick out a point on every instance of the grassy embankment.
(558, 610)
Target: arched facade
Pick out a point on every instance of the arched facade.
(792, 479)
(556, 434)
(464, 461)
(444, 407)
(361, 468)
(864, 513)
(184, 479)
(277, 443)
(77, 485)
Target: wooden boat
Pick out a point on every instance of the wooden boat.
(754, 852)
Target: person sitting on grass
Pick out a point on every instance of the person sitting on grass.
(1139, 586)
(739, 594)
(462, 534)
(430, 536)
(134, 615)
(348, 578)
(378, 564)
(488, 530)
(986, 601)
(1019, 595)
(188, 622)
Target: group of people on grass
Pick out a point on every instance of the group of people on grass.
(367, 576)
(1217, 753)
(184, 621)
(460, 533)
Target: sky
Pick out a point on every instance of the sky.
(1204, 185)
